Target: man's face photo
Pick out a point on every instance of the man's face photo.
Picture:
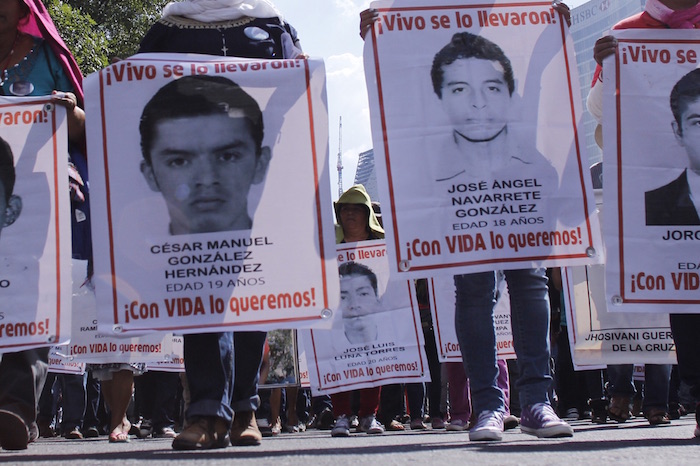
(688, 132)
(204, 167)
(357, 301)
(357, 296)
(476, 99)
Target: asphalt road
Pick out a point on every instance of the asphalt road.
(633, 442)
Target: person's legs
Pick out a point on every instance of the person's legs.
(117, 392)
(22, 377)
(622, 390)
(530, 316)
(475, 298)
(248, 350)
(460, 406)
(656, 386)
(415, 393)
(74, 389)
(209, 368)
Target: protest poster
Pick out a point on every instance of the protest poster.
(651, 152)
(442, 309)
(87, 344)
(598, 337)
(60, 363)
(281, 364)
(211, 194)
(376, 337)
(304, 380)
(173, 362)
(475, 113)
(35, 309)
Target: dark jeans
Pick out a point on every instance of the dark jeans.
(216, 389)
(656, 383)
(156, 396)
(686, 328)
(74, 396)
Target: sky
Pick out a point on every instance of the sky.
(329, 29)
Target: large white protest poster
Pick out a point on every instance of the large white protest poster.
(651, 161)
(599, 337)
(475, 111)
(376, 338)
(442, 309)
(211, 194)
(35, 247)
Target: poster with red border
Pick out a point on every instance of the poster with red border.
(35, 247)
(206, 221)
(650, 166)
(475, 112)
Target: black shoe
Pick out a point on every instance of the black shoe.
(325, 419)
(599, 411)
(14, 434)
(91, 432)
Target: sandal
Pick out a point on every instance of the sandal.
(619, 409)
(657, 417)
(118, 437)
(395, 426)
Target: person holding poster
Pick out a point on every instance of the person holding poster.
(35, 62)
(476, 68)
(357, 222)
(222, 368)
(660, 14)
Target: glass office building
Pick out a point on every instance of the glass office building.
(589, 22)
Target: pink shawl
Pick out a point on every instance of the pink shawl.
(39, 24)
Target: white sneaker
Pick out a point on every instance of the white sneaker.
(341, 428)
(370, 425)
(489, 426)
(456, 425)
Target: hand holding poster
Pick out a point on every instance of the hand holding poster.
(376, 338)
(482, 163)
(652, 163)
(35, 279)
(210, 193)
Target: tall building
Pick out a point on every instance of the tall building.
(366, 175)
(589, 22)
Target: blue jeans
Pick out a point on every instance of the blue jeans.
(656, 383)
(529, 305)
(74, 394)
(216, 389)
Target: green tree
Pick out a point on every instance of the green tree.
(97, 31)
(88, 45)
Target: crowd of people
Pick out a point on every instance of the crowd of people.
(214, 403)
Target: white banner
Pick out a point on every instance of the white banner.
(651, 161)
(442, 309)
(35, 248)
(173, 362)
(88, 345)
(597, 336)
(376, 338)
(475, 112)
(211, 194)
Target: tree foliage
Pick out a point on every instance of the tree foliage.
(97, 31)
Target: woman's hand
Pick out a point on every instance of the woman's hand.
(563, 9)
(367, 19)
(76, 115)
(604, 47)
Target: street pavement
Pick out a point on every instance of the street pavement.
(634, 442)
